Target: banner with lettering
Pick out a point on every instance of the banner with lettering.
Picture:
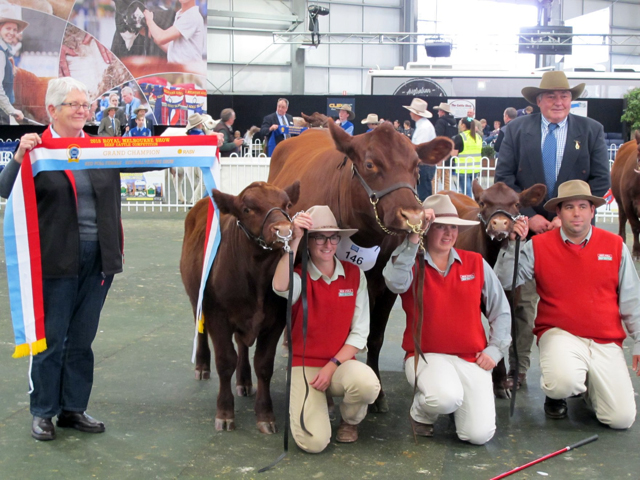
(21, 230)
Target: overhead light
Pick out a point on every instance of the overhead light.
(437, 46)
(314, 12)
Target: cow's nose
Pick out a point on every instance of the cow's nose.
(499, 223)
(414, 217)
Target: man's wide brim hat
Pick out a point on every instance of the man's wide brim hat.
(347, 108)
(372, 119)
(573, 190)
(110, 107)
(194, 120)
(419, 107)
(446, 212)
(13, 14)
(549, 82)
(445, 107)
(141, 107)
(324, 221)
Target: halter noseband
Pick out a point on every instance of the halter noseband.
(260, 240)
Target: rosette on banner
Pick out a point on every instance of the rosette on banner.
(21, 231)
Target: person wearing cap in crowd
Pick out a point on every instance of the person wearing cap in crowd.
(11, 24)
(454, 374)
(549, 147)
(337, 329)
(424, 132)
(345, 115)
(445, 127)
(225, 126)
(109, 125)
(141, 111)
(139, 130)
(371, 121)
(588, 288)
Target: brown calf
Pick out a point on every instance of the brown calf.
(625, 185)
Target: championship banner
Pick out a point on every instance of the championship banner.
(21, 230)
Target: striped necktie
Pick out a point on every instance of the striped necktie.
(549, 158)
(113, 124)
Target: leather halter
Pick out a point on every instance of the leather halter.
(511, 217)
(260, 240)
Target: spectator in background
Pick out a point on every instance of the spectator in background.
(371, 121)
(139, 130)
(130, 104)
(396, 125)
(271, 122)
(345, 115)
(528, 110)
(227, 117)
(237, 134)
(469, 163)
(509, 114)
(11, 25)
(494, 133)
(445, 127)
(109, 125)
(423, 133)
(407, 130)
(141, 112)
(485, 129)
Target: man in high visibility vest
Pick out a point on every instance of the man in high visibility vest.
(469, 162)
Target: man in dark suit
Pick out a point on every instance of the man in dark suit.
(109, 125)
(550, 147)
(271, 122)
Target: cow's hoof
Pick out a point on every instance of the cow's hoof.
(203, 374)
(245, 390)
(268, 428)
(227, 424)
(379, 406)
(501, 392)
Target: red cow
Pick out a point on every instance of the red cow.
(238, 299)
(625, 185)
(495, 226)
(368, 181)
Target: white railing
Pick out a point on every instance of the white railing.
(182, 191)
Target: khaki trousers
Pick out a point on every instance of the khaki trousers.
(353, 380)
(570, 365)
(448, 384)
(524, 318)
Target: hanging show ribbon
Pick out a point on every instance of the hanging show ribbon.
(21, 231)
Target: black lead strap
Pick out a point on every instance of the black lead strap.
(514, 328)
(305, 311)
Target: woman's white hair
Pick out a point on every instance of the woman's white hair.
(58, 90)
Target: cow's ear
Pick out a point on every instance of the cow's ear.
(477, 190)
(434, 151)
(293, 191)
(341, 138)
(307, 118)
(533, 196)
(226, 203)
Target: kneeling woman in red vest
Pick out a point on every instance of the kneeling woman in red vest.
(337, 329)
(456, 377)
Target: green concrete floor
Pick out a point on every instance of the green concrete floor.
(160, 419)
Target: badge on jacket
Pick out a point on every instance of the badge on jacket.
(345, 292)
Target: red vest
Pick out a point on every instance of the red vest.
(330, 313)
(452, 321)
(579, 289)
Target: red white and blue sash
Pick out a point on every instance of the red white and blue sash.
(21, 231)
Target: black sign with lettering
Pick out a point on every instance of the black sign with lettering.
(420, 87)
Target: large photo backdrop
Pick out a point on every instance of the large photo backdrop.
(129, 53)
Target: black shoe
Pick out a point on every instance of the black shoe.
(522, 380)
(555, 409)
(80, 421)
(43, 429)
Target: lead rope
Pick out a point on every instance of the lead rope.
(287, 399)
(305, 312)
(514, 329)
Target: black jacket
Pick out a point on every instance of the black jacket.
(585, 157)
(272, 119)
(446, 126)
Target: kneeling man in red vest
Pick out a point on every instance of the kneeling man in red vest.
(337, 329)
(454, 370)
(588, 288)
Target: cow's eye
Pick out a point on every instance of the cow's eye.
(481, 204)
(246, 210)
(289, 205)
(369, 165)
(517, 205)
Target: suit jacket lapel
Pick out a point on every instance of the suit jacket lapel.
(532, 145)
(570, 154)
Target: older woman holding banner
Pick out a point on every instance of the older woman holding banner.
(81, 244)
(454, 374)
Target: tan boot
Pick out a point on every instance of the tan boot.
(347, 433)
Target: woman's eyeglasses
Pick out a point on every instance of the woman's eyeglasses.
(322, 239)
(77, 106)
